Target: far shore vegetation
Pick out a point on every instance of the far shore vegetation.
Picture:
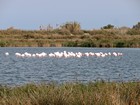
(92, 93)
(70, 34)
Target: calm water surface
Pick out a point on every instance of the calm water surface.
(18, 71)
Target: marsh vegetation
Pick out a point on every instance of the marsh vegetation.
(97, 93)
(70, 34)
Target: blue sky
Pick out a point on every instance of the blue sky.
(91, 14)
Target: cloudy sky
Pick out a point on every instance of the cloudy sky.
(91, 14)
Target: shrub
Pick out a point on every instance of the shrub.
(4, 43)
(64, 31)
(40, 43)
(102, 32)
(137, 26)
(28, 36)
(105, 43)
(120, 44)
(133, 32)
(72, 27)
(70, 44)
(109, 26)
(88, 43)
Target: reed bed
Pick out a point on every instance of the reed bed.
(97, 93)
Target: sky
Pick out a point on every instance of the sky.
(91, 14)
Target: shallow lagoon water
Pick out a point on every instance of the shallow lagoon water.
(18, 71)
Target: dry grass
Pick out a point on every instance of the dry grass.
(76, 38)
(98, 93)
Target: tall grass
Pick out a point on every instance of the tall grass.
(98, 93)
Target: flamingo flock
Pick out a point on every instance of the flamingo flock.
(65, 54)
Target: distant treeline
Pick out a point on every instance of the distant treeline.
(70, 34)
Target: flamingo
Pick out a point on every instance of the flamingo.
(115, 54)
(6, 53)
(18, 54)
(66, 54)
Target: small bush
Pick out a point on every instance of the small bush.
(70, 44)
(102, 32)
(64, 32)
(72, 27)
(87, 43)
(133, 32)
(109, 26)
(137, 26)
(28, 36)
(120, 44)
(40, 43)
(4, 43)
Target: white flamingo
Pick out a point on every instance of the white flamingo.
(6, 53)
(66, 54)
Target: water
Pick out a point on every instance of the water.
(18, 71)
